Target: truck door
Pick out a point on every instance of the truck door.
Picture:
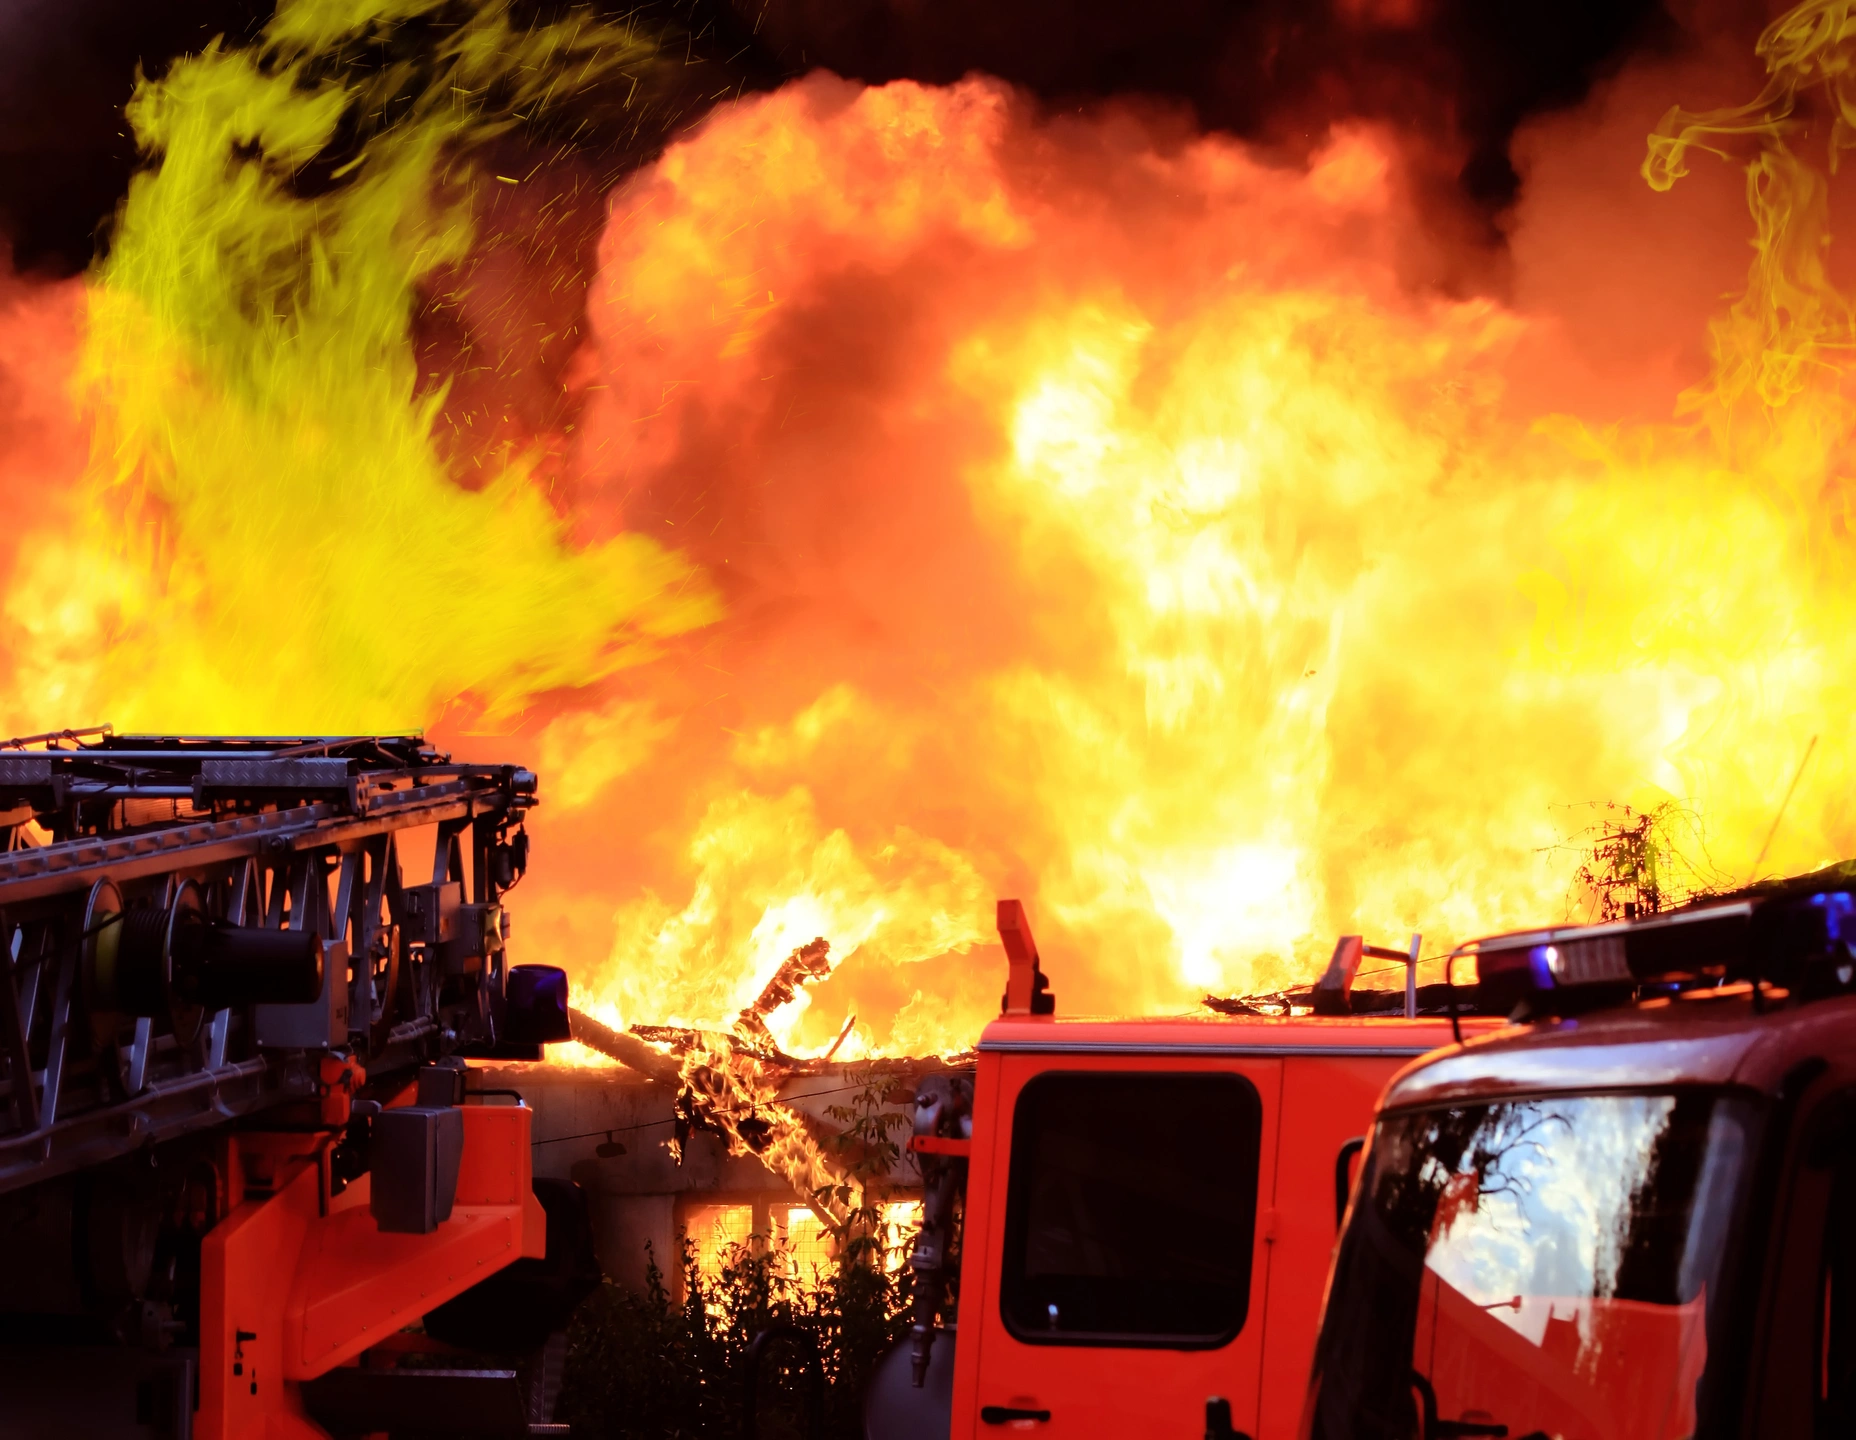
(1124, 1274)
(1807, 1385)
(1327, 1106)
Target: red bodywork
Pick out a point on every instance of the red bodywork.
(1318, 1080)
(295, 1282)
(1612, 1368)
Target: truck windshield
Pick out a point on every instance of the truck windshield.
(1533, 1268)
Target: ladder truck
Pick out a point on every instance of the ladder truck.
(240, 1154)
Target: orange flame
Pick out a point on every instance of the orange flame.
(1107, 516)
(1104, 514)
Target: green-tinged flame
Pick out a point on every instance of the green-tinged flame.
(272, 540)
(1791, 329)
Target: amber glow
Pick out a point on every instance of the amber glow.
(963, 502)
(802, 1244)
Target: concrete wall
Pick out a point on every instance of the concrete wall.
(643, 1195)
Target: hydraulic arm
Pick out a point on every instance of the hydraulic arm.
(238, 977)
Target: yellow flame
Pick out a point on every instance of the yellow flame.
(1106, 517)
(1306, 632)
(269, 540)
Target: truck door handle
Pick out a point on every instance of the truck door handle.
(1005, 1414)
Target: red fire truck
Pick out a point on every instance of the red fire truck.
(238, 1154)
(1628, 1216)
(1150, 1210)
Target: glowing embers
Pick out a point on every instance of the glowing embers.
(730, 1087)
(770, 1239)
(718, 1236)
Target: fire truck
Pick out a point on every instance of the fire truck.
(1150, 1206)
(239, 1151)
(1629, 1214)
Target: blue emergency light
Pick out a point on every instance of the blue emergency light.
(1803, 941)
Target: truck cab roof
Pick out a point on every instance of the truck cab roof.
(1337, 1036)
(1731, 990)
(1710, 1037)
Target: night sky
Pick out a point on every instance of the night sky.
(1458, 80)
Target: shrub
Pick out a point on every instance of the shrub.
(651, 1367)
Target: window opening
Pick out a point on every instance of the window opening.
(1131, 1212)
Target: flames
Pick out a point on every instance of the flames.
(248, 381)
(941, 499)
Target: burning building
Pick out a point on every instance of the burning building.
(1243, 504)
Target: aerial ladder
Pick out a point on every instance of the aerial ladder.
(246, 1181)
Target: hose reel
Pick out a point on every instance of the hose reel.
(177, 960)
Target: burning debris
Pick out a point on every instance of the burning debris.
(728, 1084)
(808, 962)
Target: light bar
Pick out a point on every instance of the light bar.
(1597, 964)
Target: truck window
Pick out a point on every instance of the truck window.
(1131, 1209)
(1550, 1265)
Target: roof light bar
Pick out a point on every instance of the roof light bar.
(1582, 966)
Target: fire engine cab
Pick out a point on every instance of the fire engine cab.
(1629, 1215)
(1150, 1208)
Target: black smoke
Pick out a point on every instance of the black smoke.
(67, 67)
(1460, 75)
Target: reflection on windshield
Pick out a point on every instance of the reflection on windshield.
(1541, 1267)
